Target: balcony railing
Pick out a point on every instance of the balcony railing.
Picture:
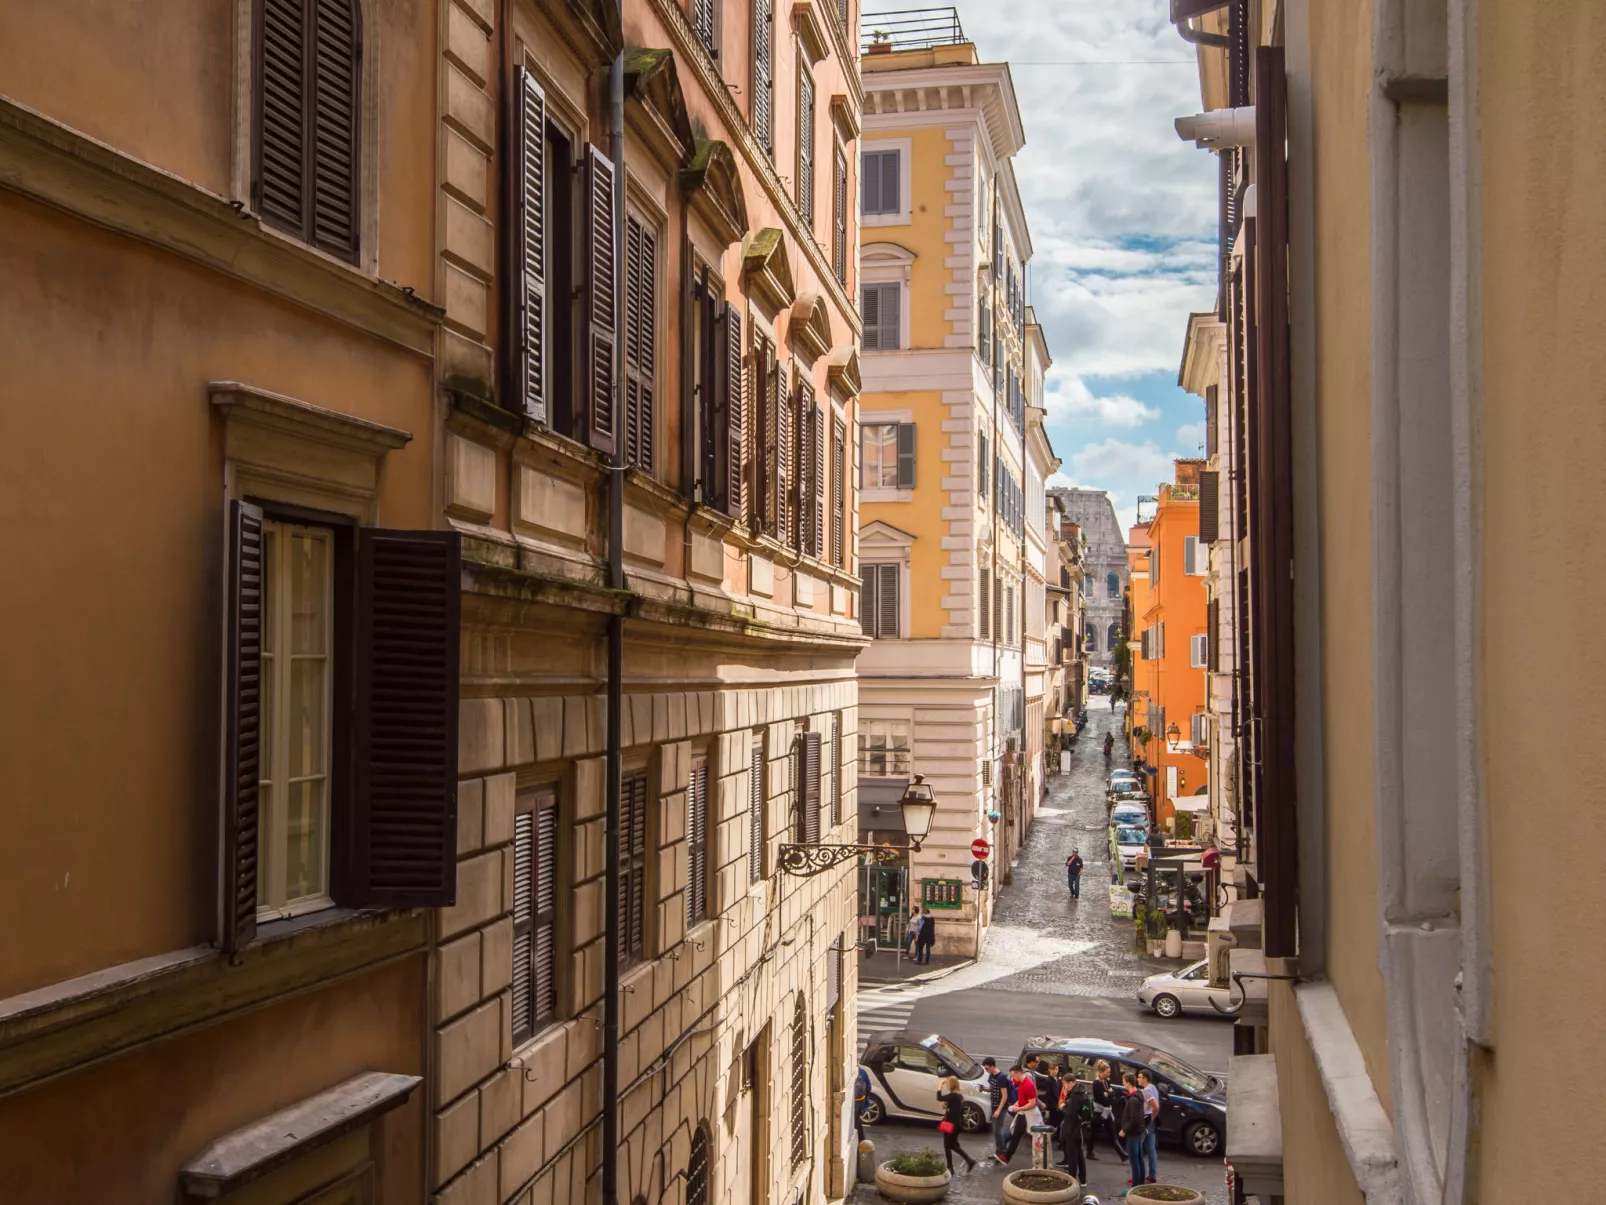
(910, 29)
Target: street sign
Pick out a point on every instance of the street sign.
(979, 848)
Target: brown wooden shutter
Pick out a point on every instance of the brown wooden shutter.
(735, 414)
(906, 456)
(1209, 507)
(337, 55)
(887, 608)
(243, 717)
(535, 902)
(601, 281)
(403, 819)
(641, 268)
(805, 148)
(763, 74)
(697, 845)
(281, 113)
(702, 18)
(839, 492)
(839, 215)
(984, 629)
(632, 866)
(781, 458)
(530, 318)
(755, 813)
(697, 1167)
(867, 598)
(800, 1083)
(809, 787)
(1212, 633)
(761, 452)
(817, 547)
(803, 491)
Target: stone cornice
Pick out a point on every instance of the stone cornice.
(60, 167)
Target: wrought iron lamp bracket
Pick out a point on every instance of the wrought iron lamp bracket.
(804, 861)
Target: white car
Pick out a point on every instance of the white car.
(905, 1069)
(1186, 991)
(1125, 842)
(1132, 815)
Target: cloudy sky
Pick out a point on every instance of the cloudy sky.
(1123, 222)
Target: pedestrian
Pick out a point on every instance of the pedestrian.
(928, 937)
(1103, 1110)
(1047, 1084)
(1024, 1112)
(953, 1117)
(1076, 1116)
(1151, 1136)
(1134, 1121)
(861, 1099)
(1073, 873)
(1002, 1093)
(911, 933)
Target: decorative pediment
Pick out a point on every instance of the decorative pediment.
(652, 81)
(883, 254)
(714, 187)
(766, 271)
(883, 535)
(844, 118)
(810, 328)
(593, 25)
(811, 32)
(842, 373)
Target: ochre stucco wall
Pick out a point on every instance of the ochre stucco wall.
(921, 518)
(1340, 41)
(1542, 79)
(111, 497)
(1315, 1168)
(120, 1131)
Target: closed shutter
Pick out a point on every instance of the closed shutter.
(1009, 616)
(243, 772)
(891, 182)
(836, 770)
(804, 490)
(702, 17)
(755, 813)
(697, 844)
(535, 903)
(800, 1083)
(839, 492)
(781, 457)
(809, 786)
(763, 81)
(337, 55)
(870, 183)
(984, 460)
(816, 546)
(1209, 506)
(869, 580)
(403, 845)
(805, 148)
(839, 214)
(1211, 405)
(735, 414)
(697, 1168)
(530, 319)
(281, 114)
(998, 606)
(833, 974)
(906, 456)
(601, 281)
(641, 292)
(632, 867)
(1212, 631)
(881, 314)
(761, 453)
(985, 630)
(887, 602)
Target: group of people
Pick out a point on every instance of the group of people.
(920, 936)
(1039, 1093)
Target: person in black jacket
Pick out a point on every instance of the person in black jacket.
(1076, 1113)
(953, 1112)
(1134, 1121)
(1103, 1111)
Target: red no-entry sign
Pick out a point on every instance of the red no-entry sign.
(979, 848)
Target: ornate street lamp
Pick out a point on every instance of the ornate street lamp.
(919, 808)
(1173, 736)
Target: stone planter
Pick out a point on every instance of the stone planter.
(910, 1190)
(1164, 1194)
(1067, 1193)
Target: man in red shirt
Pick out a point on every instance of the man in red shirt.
(1024, 1109)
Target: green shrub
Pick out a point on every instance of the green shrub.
(1183, 822)
(918, 1163)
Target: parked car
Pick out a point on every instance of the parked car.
(1186, 991)
(1131, 814)
(1193, 1103)
(905, 1068)
(1125, 842)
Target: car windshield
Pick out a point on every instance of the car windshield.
(1189, 1079)
(1128, 836)
(963, 1065)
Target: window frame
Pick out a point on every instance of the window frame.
(880, 462)
(532, 802)
(697, 844)
(807, 184)
(903, 214)
(895, 289)
(633, 936)
(870, 611)
(892, 755)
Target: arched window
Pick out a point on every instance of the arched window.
(800, 1082)
(1112, 584)
(697, 1167)
(1112, 635)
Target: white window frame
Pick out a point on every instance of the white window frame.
(1199, 652)
(1199, 725)
(905, 149)
(879, 487)
(887, 263)
(888, 728)
(1195, 560)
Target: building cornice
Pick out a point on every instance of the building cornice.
(986, 88)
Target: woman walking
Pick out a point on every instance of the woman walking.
(953, 1116)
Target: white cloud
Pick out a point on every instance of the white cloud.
(1190, 438)
(1068, 397)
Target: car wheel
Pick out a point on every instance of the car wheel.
(874, 1112)
(1202, 1139)
(1166, 1006)
(974, 1120)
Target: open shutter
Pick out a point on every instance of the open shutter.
(735, 411)
(803, 526)
(523, 926)
(530, 319)
(281, 113)
(810, 787)
(817, 507)
(984, 631)
(1209, 506)
(839, 491)
(243, 772)
(870, 312)
(839, 214)
(763, 73)
(601, 281)
(1212, 633)
(697, 845)
(805, 148)
(887, 608)
(867, 598)
(702, 16)
(403, 834)
(755, 814)
(906, 456)
(337, 54)
(781, 458)
(641, 267)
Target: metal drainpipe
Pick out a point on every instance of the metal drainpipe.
(616, 657)
(998, 593)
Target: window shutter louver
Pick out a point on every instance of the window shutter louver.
(334, 116)
(403, 828)
(781, 459)
(281, 113)
(984, 597)
(697, 1167)
(800, 1083)
(839, 215)
(641, 268)
(809, 787)
(763, 73)
(703, 25)
(1209, 506)
(870, 313)
(998, 607)
(817, 503)
(535, 901)
(867, 598)
(601, 281)
(803, 526)
(870, 183)
(243, 772)
(836, 770)
(697, 845)
(891, 182)
(805, 148)
(906, 456)
(891, 318)
(735, 410)
(632, 866)
(1213, 624)
(839, 492)
(833, 974)
(755, 814)
(887, 602)
(530, 333)
(523, 924)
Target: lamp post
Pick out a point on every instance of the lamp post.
(919, 808)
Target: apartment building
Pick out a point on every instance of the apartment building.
(229, 615)
(1041, 463)
(1407, 220)
(1064, 635)
(658, 506)
(943, 504)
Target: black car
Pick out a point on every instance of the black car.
(1193, 1103)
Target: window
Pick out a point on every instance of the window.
(1199, 652)
(806, 764)
(1195, 561)
(800, 1082)
(810, 526)
(304, 824)
(882, 318)
(879, 606)
(1112, 585)
(763, 74)
(839, 492)
(697, 1166)
(805, 148)
(705, 24)
(839, 212)
(887, 453)
(535, 905)
(632, 867)
(305, 147)
(880, 182)
(984, 459)
(1199, 727)
(884, 748)
(755, 813)
(697, 868)
(641, 320)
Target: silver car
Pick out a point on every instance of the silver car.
(1186, 991)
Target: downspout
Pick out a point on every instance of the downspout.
(616, 657)
(998, 593)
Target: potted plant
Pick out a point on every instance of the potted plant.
(913, 1178)
(1041, 1186)
(1168, 1193)
(880, 42)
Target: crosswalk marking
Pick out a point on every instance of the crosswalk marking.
(884, 1008)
